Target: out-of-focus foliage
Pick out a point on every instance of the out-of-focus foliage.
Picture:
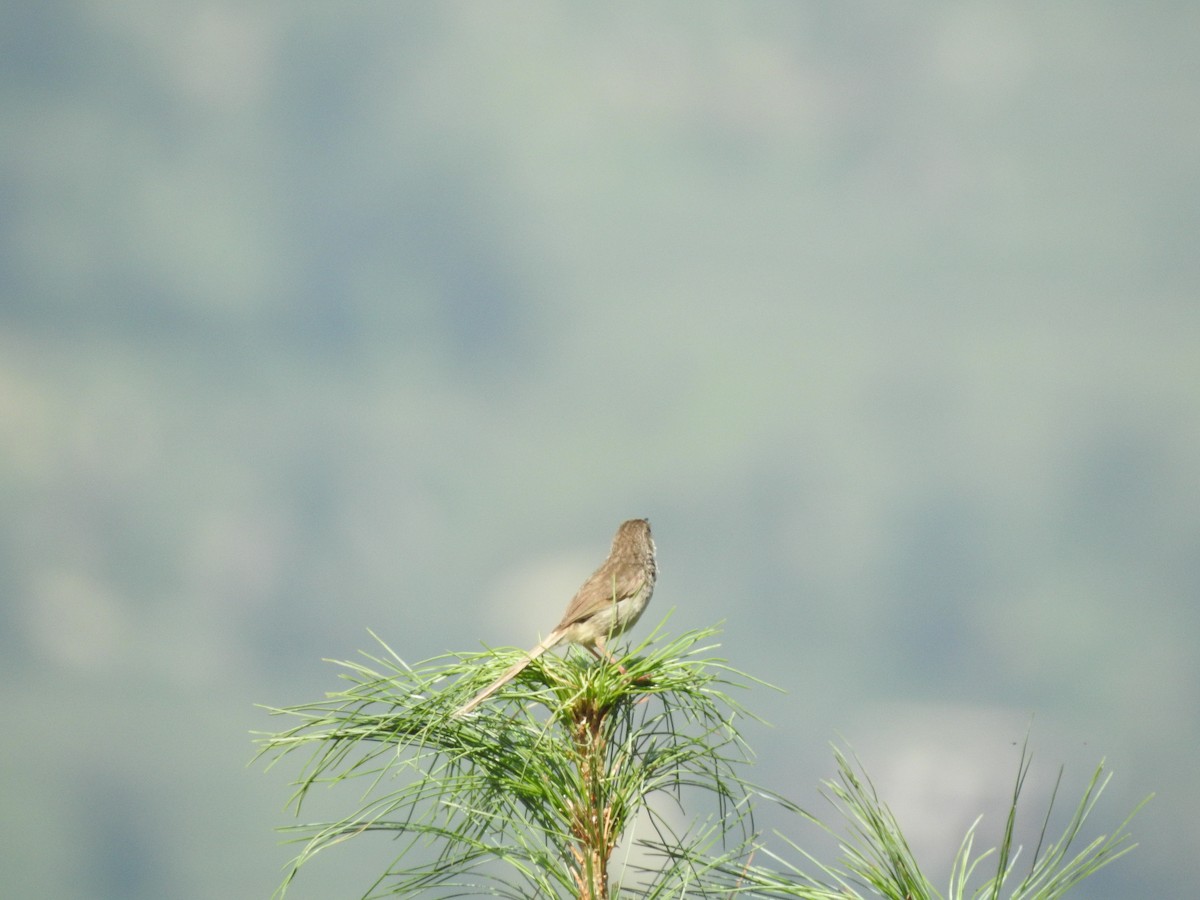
(320, 319)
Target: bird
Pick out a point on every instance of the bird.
(608, 603)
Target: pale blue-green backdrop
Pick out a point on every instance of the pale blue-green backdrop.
(316, 318)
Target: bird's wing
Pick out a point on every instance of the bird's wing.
(607, 585)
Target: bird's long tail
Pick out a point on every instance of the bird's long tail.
(551, 639)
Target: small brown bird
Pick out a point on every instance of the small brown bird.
(608, 603)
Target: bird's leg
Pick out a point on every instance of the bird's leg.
(603, 655)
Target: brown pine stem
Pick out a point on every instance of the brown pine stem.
(593, 825)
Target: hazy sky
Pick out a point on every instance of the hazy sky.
(319, 320)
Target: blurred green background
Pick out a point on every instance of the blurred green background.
(324, 317)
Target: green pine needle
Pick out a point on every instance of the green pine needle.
(530, 794)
